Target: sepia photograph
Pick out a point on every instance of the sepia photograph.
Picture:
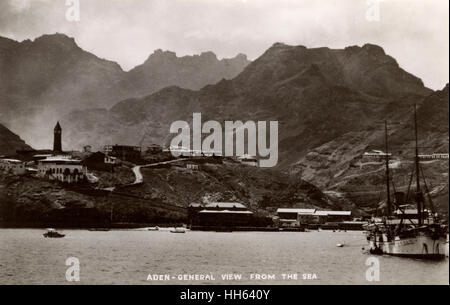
(218, 143)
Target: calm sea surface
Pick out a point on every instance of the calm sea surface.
(128, 257)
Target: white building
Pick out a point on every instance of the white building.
(192, 166)
(248, 160)
(296, 217)
(293, 217)
(376, 154)
(110, 159)
(61, 168)
(434, 156)
(12, 166)
(186, 152)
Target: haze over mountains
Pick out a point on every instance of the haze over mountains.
(44, 79)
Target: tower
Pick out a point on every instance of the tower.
(57, 147)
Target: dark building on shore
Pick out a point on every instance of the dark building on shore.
(219, 214)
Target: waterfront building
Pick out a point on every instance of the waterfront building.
(62, 168)
(332, 216)
(219, 214)
(292, 217)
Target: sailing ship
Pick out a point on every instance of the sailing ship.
(415, 235)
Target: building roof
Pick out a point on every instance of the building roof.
(224, 212)
(333, 213)
(11, 160)
(225, 205)
(406, 211)
(42, 155)
(195, 205)
(298, 211)
(247, 157)
(321, 213)
(60, 159)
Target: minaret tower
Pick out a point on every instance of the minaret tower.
(57, 147)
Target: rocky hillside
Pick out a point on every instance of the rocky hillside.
(10, 142)
(48, 77)
(162, 198)
(339, 168)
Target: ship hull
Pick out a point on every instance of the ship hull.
(421, 247)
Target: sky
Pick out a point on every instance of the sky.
(414, 32)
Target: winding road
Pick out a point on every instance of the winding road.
(137, 170)
(139, 179)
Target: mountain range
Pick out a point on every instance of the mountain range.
(44, 79)
(316, 95)
(330, 104)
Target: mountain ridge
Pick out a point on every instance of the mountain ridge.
(46, 78)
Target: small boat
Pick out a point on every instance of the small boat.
(52, 233)
(178, 230)
(99, 229)
(339, 245)
(153, 228)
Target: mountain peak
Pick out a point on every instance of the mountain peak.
(279, 45)
(57, 40)
(373, 49)
(208, 55)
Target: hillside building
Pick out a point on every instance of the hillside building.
(248, 160)
(62, 168)
(12, 166)
(434, 156)
(123, 152)
(154, 149)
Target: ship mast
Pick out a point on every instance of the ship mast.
(419, 196)
(388, 191)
